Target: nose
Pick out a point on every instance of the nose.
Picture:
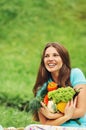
(50, 57)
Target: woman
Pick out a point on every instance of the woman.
(55, 66)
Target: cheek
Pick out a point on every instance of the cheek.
(45, 61)
(60, 62)
(45, 64)
(61, 65)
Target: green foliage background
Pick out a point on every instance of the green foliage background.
(25, 27)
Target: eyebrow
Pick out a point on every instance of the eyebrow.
(52, 53)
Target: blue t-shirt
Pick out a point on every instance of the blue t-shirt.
(76, 77)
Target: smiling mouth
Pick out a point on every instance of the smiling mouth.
(51, 65)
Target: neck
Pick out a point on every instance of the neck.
(55, 77)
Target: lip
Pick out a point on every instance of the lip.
(51, 65)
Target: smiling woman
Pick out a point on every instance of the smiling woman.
(55, 67)
(52, 60)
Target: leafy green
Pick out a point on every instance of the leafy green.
(35, 104)
(62, 94)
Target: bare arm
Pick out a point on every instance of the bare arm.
(81, 102)
(56, 122)
(69, 110)
(45, 111)
(79, 111)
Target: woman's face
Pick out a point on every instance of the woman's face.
(52, 60)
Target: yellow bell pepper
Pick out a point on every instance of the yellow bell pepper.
(61, 106)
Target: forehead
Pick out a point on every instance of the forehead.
(51, 50)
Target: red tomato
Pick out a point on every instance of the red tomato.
(52, 86)
(46, 99)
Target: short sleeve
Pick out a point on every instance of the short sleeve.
(77, 77)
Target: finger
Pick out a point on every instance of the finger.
(67, 104)
(75, 101)
(71, 102)
(41, 109)
(43, 105)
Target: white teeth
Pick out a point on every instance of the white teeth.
(51, 64)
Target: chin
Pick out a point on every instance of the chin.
(51, 70)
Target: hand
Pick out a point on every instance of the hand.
(45, 111)
(70, 108)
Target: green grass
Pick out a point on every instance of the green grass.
(25, 28)
(15, 118)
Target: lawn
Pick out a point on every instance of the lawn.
(25, 28)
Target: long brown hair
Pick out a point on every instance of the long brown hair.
(64, 73)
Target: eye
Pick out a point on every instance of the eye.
(55, 54)
(46, 55)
